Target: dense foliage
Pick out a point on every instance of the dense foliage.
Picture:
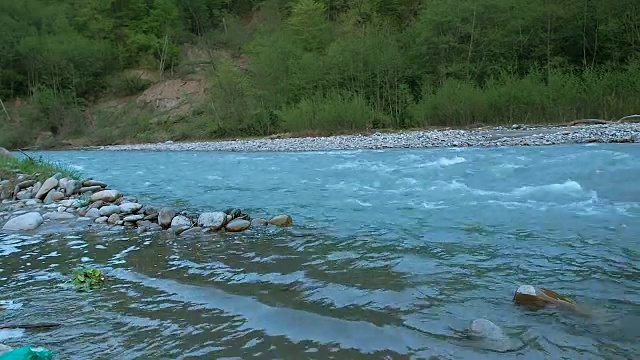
(325, 65)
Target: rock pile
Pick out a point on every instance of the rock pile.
(60, 199)
(517, 135)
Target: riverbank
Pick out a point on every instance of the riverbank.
(517, 135)
(62, 201)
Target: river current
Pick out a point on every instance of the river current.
(392, 254)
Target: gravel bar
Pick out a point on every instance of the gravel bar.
(517, 135)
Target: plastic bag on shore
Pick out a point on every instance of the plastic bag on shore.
(27, 353)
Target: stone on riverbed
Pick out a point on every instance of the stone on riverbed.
(165, 216)
(532, 299)
(133, 218)
(93, 213)
(259, 222)
(101, 220)
(113, 219)
(53, 196)
(212, 220)
(238, 225)
(90, 183)
(89, 189)
(130, 208)
(28, 221)
(58, 216)
(48, 185)
(281, 220)
(180, 221)
(72, 187)
(106, 195)
(110, 210)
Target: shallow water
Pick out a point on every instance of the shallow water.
(393, 254)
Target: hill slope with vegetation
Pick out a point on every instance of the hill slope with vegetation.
(116, 71)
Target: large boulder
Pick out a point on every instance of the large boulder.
(28, 221)
(180, 221)
(212, 220)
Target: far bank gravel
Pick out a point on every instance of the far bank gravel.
(500, 136)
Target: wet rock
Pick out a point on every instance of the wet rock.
(61, 209)
(113, 219)
(70, 203)
(83, 218)
(48, 185)
(89, 189)
(109, 210)
(32, 202)
(281, 220)
(237, 225)
(36, 188)
(165, 216)
(130, 208)
(4, 348)
(212, 220)
(24, 195)
(133, 218)
(534, 299)
(229, 218)
(483, 328)
(57, 216)
(101, 220)
(152, 217)
(62, 183)
(150, 211)
(98, 204)
(28, 221)
(92, 183)
(72, 187)
(56, 195)
(106, 195)
(94, 213)
(190, 231)
(259, 222)
(180, 221)
(25, 184)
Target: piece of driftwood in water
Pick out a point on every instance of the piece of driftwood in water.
(36, 326)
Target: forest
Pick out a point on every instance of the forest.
(316, 66)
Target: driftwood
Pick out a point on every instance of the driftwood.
(36, 326)
(628, 118)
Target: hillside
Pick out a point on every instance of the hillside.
(110, 71)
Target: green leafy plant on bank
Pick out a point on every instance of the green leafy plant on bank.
(39, 168)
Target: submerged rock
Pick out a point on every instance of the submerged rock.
(487, 335)
(28, 221)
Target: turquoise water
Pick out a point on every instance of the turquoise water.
(394, 252)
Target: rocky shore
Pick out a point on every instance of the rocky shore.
(517, 135)
(28, 203)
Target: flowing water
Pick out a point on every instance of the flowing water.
(392, 254)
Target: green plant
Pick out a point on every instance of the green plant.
(87, 279)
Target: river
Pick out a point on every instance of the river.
(392, 254)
